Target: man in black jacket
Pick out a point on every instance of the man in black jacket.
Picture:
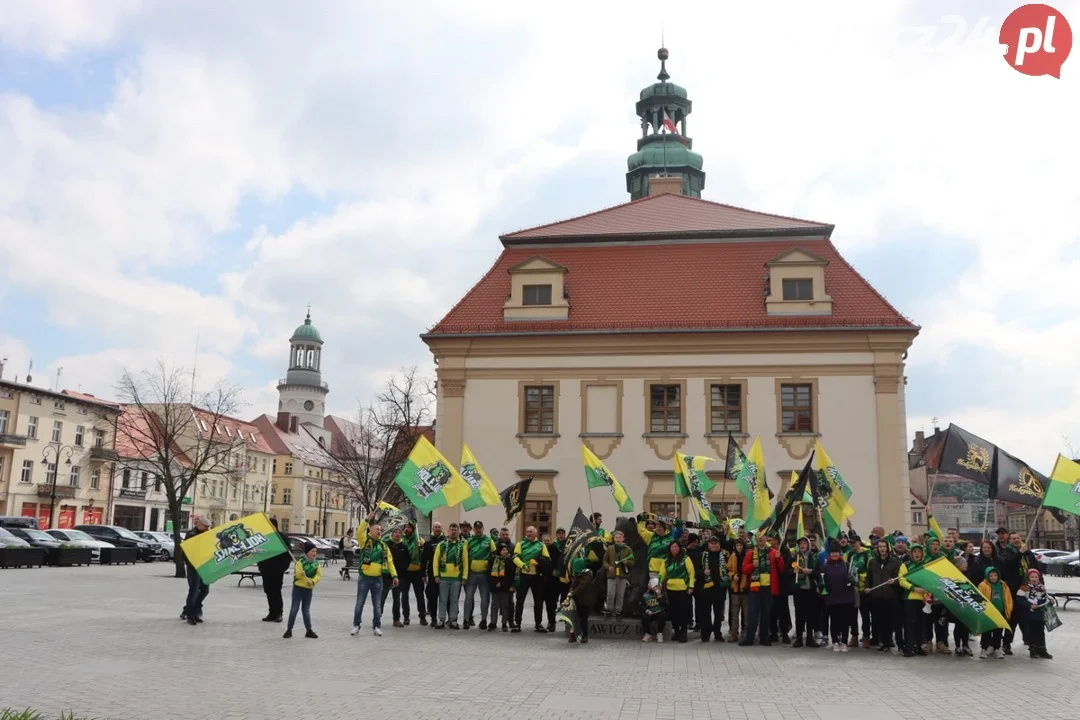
(273, 577)
(710, 588)
(400, 553)
(427, 567)
(780, 620)
(197, 589)
(1016, 560)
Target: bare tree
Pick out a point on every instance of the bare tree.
(375, 446)
(164, 429)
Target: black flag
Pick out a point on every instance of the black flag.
(1014, 481)
(965, 455)
(513, 498)
(735, 458)
(793, 495)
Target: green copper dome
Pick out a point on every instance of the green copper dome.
(307, 331)
(676, 155)
(662, 89)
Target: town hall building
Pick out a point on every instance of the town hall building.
(667, 324)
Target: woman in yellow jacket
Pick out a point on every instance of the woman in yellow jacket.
(914, 600)
(677, 578)
(306, 575)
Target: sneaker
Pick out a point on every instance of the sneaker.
(311, 634)
(983, 653)
(355, 630)
(287, 635)
(647, 638)
(376, 632)
(270, 618)
(660, 638)
(540, 629)
(999, 654)
(836, 647)
(843, 647)
(453, 626)
(398, 624)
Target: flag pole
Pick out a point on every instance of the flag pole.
(986, 515)
(1031, 529)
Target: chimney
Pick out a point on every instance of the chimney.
(660, 184)
(283, 421)
(920, 442)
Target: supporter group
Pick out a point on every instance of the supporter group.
(721, 586)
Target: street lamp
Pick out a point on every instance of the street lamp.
(58, 451)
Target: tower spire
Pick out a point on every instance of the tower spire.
(662, 54)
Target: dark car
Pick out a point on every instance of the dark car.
(10, 521)
(37, 538)
(122, 537)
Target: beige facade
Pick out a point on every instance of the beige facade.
(55, 444)
(525, 405)
(308, 499)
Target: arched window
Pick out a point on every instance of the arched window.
(310, 358)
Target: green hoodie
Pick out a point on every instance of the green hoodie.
(997, 590)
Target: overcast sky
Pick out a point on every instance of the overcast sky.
(173, 171)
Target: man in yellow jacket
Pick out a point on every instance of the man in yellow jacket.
(533, 561)
(451, 565)
(372, 557)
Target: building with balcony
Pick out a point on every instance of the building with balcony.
(56, 454)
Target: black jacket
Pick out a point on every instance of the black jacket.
(879, 571)
(1015, 567)
(427, 555)
(714, 561)
(278, 565)
(190, 534)
(399, 551)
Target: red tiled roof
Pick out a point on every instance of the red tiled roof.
(668, 215)
(87, 397)
(138, 436)
(227, 429)
(671, 286)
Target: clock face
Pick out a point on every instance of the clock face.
(309, 406)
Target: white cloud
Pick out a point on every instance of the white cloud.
(423, 122)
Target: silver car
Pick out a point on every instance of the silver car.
(81, 539)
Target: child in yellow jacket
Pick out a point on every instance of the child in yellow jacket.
(306, 575)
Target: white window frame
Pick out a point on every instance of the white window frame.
(26, 474)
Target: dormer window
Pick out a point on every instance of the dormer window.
(798, 288)
(537, 291)
(796, 284)
(536, 294)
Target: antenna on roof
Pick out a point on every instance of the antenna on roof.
(194, 364)
(58, 371)
(29, 377)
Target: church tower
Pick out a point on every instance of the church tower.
(664, 154)
(302, 394)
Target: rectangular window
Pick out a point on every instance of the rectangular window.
(157, 483)
(286, 496)
(79, 432)
(731, 509)
(126, 482)
(50, 473)
(95, 479)
(665, 403)
(668, 509)
(31, 427)
(27, 473)
(4, 416)
(916, 517)
(73, 476)
(536, 295)
(538, 514)
(725, 408)
(263, 466)
(145, 480)
(796, 408)
(57, 430)
(798, 289)
(99, 438)
(288, 468)
(35, 400)
(58, 404)
(539, 409)
(285, 524)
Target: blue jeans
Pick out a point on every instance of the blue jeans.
(301, 598)
(761, 602)
(197, 592)
(368, 586)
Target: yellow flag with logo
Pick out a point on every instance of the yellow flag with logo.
(483, 490)
(233, 546)
(597, 475)
(429, 480)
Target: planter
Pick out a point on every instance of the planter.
(119, 556)
(68, 557)
(21, 557)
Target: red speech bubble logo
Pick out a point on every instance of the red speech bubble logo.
(1038, 40)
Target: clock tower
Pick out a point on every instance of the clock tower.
(302, 393)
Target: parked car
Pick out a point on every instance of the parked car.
(1045, 554)
(122, 537)
(10, 521)
(37, 538)
(1063, 558)
(78, 537)
(7, 539)
(165, 540)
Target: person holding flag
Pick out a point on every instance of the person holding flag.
(197, 589)
(373, 557)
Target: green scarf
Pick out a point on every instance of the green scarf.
(997, 596)
(414, 548)
(374, 552)
(310, 566)
(479, 547)
(761, 564)
(498, 566)
(451, 551)
(531, 550)
(676, 568)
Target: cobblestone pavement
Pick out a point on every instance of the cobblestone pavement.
(107, 642)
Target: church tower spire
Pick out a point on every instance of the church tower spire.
(302, 393)
(664, 150)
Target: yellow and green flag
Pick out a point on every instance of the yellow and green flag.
(751, 483)
(233, 546)
(1063, 492)
(597, 475)
(948, 585)
(800, 529)
(933, 528)
(692, 482)
(429, 480)
(832, 493)
(383, 505)
(483, 490)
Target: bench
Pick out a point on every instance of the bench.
(1064, 598)
(248, 575)
(353, 563)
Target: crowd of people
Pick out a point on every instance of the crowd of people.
(847, 594)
